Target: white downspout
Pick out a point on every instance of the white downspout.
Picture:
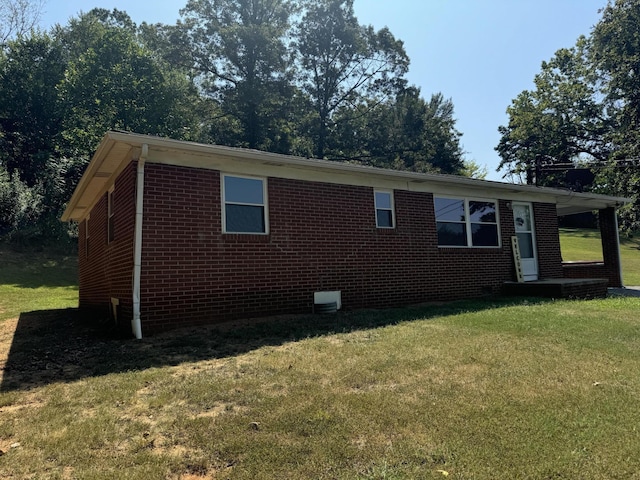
(136, 324)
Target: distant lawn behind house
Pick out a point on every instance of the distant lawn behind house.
(36, 281)
(585, 244)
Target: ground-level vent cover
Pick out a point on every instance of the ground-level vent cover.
(329, 307)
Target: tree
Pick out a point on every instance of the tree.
(59, 93)
(442, 137)
(31, 113)
(585, 111)
(19, 205)
(473, 169)
(405, 132)
(559, 123)
(18, 17)
(31, 133)
(238, 48)
(113, 82)
(343, 63)
(616, 56)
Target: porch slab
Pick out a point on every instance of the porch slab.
(559, 288)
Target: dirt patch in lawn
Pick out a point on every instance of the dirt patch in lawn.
(7, 329)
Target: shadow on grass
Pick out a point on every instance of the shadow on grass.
(36, 269)
(61, 346)
(630, 243)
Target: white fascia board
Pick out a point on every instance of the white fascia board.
(107, 163)
(255, 162)
(347, 174)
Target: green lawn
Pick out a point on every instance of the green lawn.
(36, 281)
(517, 389)
(585, 244)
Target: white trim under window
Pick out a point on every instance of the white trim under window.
(383, 200)
(244, 204)
(467, 222)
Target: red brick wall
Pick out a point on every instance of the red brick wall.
(322, 237)
(584, 269)
(547, 240)
(106, 271)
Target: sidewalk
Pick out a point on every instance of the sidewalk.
(624, 292)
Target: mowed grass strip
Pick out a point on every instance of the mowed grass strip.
(478, 390)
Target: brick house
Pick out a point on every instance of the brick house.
(176, 233)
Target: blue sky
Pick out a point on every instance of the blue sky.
(479, 53)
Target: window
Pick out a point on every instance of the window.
(384, 209)
(110, 234)
(244, 205)
(86, 237)
(466, 223)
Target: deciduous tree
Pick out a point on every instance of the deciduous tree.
(113, 82)
(405, 132)
(18, 17)
(239, 49)
(344, 63)
(562, 121)
(616, 56)
(585, 109)
(31, 110)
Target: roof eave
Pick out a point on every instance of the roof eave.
(75, 210)
(566, 201)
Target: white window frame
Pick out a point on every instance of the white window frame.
(264, 204)
(392, 209)
(110, 215)
(467, 220)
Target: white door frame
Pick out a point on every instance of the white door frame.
(529, 264)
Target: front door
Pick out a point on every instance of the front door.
(523, 218)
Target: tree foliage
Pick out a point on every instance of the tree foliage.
(30, 105)
(584, 111)
(112, 81)
(343, 62)
(19, 204)
(562, 120)
(405, 132)
(60, 92)
(616, 55)
(238, 48)
(289, 76)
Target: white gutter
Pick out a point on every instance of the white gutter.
(136, 324)
(200, 150)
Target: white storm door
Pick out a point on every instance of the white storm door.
(523, 219)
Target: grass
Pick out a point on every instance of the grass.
(476, 389)
(36, 281)
(521, 389)
(585, 244)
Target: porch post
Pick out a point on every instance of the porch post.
(611, 245)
